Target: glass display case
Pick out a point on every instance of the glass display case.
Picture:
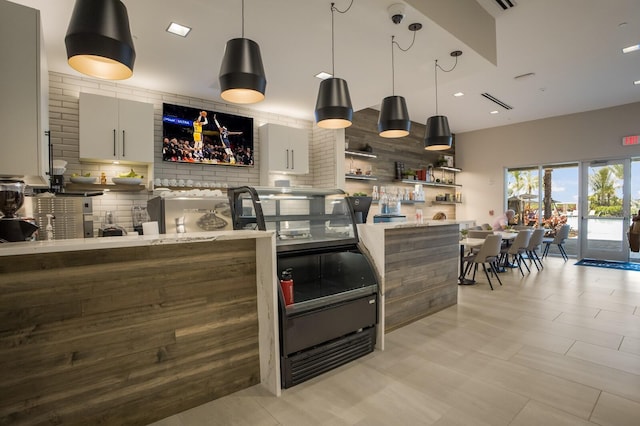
(328, 293)
(301, 218)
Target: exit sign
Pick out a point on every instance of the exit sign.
(631, 140)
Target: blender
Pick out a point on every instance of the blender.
(13, 228)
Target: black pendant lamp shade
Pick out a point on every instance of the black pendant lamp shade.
(393, 121)
(242, 78)
(333, 106)
(438, 136)
(99, 40)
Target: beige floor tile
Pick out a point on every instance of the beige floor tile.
(232, 410)
(630, 345)
(587, 335)
(605, 356)
(537, 414)
(608, 326)
(574, 398)
(594, 375)
(613, 410)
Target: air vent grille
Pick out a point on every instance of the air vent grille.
(505, 4)
(496, 101)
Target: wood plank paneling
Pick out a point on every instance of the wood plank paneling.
(126, 336)
(421, 268)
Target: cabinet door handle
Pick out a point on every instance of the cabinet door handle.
(123, 144)
(287, 159)
(293, 164)
(114, 142)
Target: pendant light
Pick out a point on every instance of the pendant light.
(242, 78)
(438, 135)
(99, 40)
(393, 120)
(333, 106)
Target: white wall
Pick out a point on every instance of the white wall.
(483, 155)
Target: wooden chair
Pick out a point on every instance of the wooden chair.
(475, 233)
(487, 255)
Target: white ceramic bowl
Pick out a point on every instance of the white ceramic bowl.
(126, 180)
(83, 179)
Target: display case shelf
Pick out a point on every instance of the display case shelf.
(360, 177)
(360, 154)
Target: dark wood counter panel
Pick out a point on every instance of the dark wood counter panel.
(418, 265)
(126, 335)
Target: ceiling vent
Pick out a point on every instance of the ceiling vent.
(505, 4)
(496, 101)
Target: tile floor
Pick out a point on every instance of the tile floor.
(557, 347)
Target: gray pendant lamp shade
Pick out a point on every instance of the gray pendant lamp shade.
(438, 136)
(99, 40)
(242, 78)
(333, 106)
(393, 121)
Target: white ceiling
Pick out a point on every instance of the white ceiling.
(572, 46)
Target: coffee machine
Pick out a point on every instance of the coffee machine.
(13, 228)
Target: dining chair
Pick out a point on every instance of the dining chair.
(487, 255)
(517, 248)
(559, 240)
(532, 249)
(476, 233)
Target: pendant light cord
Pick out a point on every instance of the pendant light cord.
(242, 18)
(333, 48)
(436, 77)
(393, 69)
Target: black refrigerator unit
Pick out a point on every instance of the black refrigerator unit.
(328, 297)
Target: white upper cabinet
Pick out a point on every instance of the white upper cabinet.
(113, 129)
(284, 149)
(24, 85)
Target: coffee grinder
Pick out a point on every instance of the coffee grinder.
(13, 228)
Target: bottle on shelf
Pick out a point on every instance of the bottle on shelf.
(384, 201)
(374, 194)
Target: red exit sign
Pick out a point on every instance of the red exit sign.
(631, 140)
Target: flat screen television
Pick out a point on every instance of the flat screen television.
(197, 136)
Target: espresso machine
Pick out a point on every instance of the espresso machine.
(13, 228)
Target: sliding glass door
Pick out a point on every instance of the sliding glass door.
(605, 209)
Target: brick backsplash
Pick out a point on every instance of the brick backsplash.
(64, 91)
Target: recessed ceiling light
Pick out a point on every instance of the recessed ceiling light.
(323, 75)
(494, 112)
(631, 48)
(637, 82)
(457, 95)
(178, 29)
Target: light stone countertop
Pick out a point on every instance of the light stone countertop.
(37, 247)
(413, 224)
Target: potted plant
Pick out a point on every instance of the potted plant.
(410, 174)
